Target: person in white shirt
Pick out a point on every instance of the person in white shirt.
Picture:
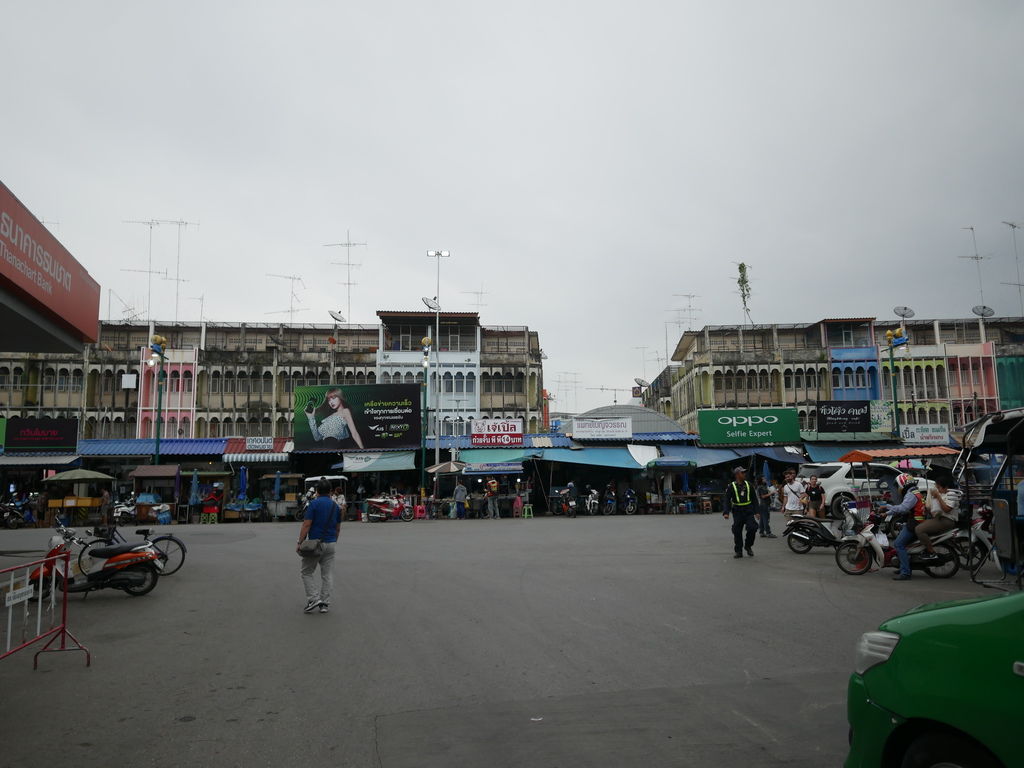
(793, 490)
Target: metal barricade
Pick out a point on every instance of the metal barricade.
(22, 626)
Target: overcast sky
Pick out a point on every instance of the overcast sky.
(584, 162)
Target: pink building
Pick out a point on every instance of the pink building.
(178, 408)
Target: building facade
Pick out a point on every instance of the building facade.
(238, 379)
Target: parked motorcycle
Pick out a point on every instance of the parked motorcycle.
(804, 533)
(592, 502)
(386, 508)
(133, 568)
(611, 504)
(977, 535)
(629, 505)
(18, 512)
(855, 555)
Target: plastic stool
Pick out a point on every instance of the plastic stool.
(705, 506)
(527, 510)
(208, 517)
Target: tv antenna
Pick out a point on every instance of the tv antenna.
(1016, 257)
(613, 390)
(643, 359)
(128, 312)
(977, 261)
(202, 302)
(292, 298)
(479, 297)
(348, 245)
(179, 223)
(572, 381)
(149, 267)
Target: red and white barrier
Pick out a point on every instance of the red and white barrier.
(23, 624)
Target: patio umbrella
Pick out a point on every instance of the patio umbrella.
(193, 496)
(767, 472)
(277, 486)
(447, 468)
(686, 482)
(243, 481)
(77, 474)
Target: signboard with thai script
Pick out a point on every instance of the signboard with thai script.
(496, 433)
(259, 443)
(924, 434)
(41, 434)
(748, 426)
(370, 416)
(844, 415)
(602, 429)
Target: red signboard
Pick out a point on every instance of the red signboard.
(42, 272)
(501, 433)
(29, 434)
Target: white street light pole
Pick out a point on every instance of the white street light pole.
(436, 306)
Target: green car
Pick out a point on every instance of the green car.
(942, 685)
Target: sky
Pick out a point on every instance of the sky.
(587, 164)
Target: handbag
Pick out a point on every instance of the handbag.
(311, 548)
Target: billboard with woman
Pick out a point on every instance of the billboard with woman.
(370, 416)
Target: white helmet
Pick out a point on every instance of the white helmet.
(906, 482)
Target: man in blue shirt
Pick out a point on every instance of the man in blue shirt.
(323, 522)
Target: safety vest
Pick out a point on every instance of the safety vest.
(748, 496)
(919, 512)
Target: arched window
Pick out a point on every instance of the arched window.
(787, 379)
(186, 381)
(360, 378)
(410, 379)
(216, 384)
(325, 379)
(229, 383)
(848, 378)
(268, 383)
(802, 418)
(214, 427)
(243, 384)
(310, 379)
(460, 382)
(812, 421)
(727, 381)
(812, 379)
(5, 377)
(171, 427)
(798, 378)
(520, 383)
(419, 377)
(485, 383)
(371, 377)
(449, 383)
(837, 382)
(174, 382)
(77, 380)
(762, 381)
(385, 378)
(185, 427)
(17, 376)
(470, 382)
(63, 377)
(860, 378)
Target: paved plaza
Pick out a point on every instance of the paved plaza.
(619, 641)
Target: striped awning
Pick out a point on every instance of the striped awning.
(254, 458)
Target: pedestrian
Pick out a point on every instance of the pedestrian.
(740, 501)
(492, 499)
(105, 506)
(793, 493)
(322, 522)
(338, 497)
(765, 495)
(459, 495)
(815, 497)
(43, 510)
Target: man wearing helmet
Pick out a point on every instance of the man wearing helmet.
(913, 506)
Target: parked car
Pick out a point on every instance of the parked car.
(844, 482)
(941, 685)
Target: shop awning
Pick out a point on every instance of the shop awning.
(596, 456)
(43, 462)
(498, 455)
(775, 453)
(378, 461)
(203, 446)
(236, 453)
(702, 457)
(155, 470)
(825, 452)
(893, 454)
(502, 468)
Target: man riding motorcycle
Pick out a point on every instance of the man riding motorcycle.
(913, 505)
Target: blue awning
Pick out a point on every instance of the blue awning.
(497, 455)
(595, 456)
(500, 468)
(203, 446)
(823, 452)
(702, 457)
(775, 453)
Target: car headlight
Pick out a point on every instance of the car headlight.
(874, 648)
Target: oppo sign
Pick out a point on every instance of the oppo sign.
(749, 426)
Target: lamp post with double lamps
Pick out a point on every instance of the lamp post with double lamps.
(157, 346)
(423, 411)
(896, 338)
(433, 305)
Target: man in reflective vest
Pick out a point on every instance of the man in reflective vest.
(740, 502)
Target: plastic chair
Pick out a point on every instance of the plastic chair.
(527, 510)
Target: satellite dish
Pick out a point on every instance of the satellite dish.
(336, 315)
(982, 311)
(642, 382)
(903, 311)
(432, 305)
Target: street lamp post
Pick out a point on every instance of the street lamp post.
(158, 344)
(423, 418)
(895, 338)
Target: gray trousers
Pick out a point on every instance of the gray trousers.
(326, 562)
(492, 507)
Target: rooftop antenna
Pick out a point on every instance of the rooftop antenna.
(614, 390)
(977, 260)
(177, 265)
(202, 302)
(571, 379)
(643, 359)
(479, 297)
(128, 312)
(348, 245)
(292, 298)
(690, 310)
(1016, 257)
(149, 268)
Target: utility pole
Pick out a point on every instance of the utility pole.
(348, 245)
(177, 268)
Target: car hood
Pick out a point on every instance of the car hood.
(969, 610)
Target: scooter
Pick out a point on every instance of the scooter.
(611, 505)
(855, 555)
(629, 505)
(386, 508)
(592, 501)
(18, 513)
(804, 533)
(133, 568)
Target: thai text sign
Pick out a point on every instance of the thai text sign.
(924, 434)
(496, 432)
(748, 426)
(41, 434)
(844, 415)
(366, 416)
(597, 429)
(259, 443)
(881, 416)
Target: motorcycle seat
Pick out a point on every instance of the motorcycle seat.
(118, 549)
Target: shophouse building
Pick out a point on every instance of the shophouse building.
(238, 379)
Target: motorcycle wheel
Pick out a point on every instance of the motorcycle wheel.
(147, 585)
(300, 515)
(609, 509)
(408, 513)
(950, 565)
(12, 522)
(630, 509)
(800, 546)
(853, 558)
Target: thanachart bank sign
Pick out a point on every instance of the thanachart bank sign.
(748, 426)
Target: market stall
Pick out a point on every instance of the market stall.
(155, 484)
(83, 505)
(282, 492)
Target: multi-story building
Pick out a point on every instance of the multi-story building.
(238, 379)
(950, 372)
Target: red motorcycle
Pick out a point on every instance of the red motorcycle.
(133, 568)
(386, 508)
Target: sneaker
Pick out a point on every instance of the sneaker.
(770, 536)
(311, 605)
(750, 552)
(738, 554)
(324, 607)
(901, 577)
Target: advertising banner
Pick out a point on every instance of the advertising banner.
(496, 433)
(597, 429)
(881, 416)
(924, 434)
(844, 415)
(335, 417)
(26, 434)
(748, 426)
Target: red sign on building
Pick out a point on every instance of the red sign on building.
(496, 433)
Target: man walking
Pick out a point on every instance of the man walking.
(459, 496)
(793, 491)
(323, 522)
(739, 501)
(492, 499)
(764, 494)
